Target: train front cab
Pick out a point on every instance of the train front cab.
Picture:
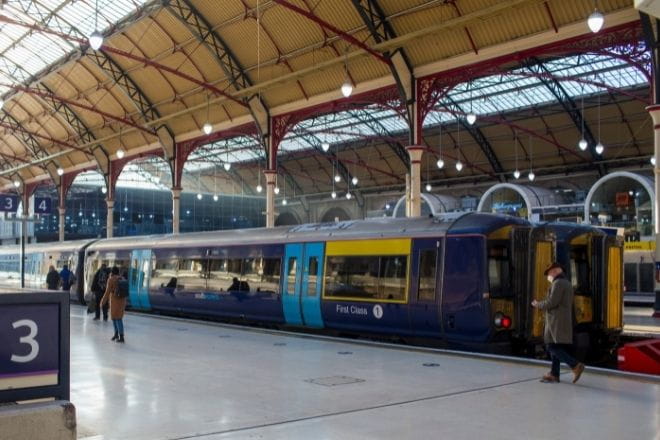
(510, 251)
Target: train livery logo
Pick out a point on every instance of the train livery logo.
(378, 311)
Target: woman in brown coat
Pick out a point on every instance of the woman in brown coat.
(117, 304)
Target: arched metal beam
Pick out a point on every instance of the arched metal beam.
(202, 30)
(375, 125)
(564, 98)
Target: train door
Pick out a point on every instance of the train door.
(138, 276)
(464, 283)
(613, 301)
(303, 273)
(543, 253)
(426, 284)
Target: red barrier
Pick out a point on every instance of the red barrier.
(640, 357)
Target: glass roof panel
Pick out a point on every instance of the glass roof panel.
(25, 52)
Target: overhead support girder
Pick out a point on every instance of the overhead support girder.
(377, 127)
(202, 30)
(30, 142)
(376, 21)
(536, 66)
(477, 135)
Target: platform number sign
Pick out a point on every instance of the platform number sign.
(8, 203)
(42, 205)
(29, 347)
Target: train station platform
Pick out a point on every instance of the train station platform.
(180, 379)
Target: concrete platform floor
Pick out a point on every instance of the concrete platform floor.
(176, 379)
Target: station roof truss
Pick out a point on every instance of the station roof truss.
(176, 65)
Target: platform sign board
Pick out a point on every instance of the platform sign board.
(8, 202)
(43, 205)
(34, 345)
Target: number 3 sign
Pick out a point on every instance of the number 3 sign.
(29, 345)
(8, 203)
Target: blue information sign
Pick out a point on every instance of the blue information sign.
(29, 345)
(43, 205)
(8, 203)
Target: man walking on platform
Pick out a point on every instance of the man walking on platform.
(558, 333)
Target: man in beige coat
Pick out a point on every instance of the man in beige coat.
(558, 333)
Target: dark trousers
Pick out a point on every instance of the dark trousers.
(97, 310)
(559, 354)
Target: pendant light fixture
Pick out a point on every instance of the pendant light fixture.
(440, 163)
(347, 86)
(531, 176)
(653, 160)
(96, 37)
(207, 128)
(459, 164)
(599, 146)
(471, 118)
(259, 187)
(120, 151)
(333, 180)
(227, 164)
(516, 173)
(60, 171)
(215, 182)
(595, 20)
(583, 144)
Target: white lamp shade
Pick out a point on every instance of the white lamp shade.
(199, 196)
(516, 174)
(471, 118)
(531, 176)
(325, 146)
(215, 197)
(276, 190)
(595, 21)
(96, 40)
(348, 196)
(346, 89)
(337, 178)
(284, 202)
(259, 188)
(583, 144)
(121, 153)
(459, 166)
(333, 195)
(60, 171)
(428, 187)
(354, 180)
(440, 163)
(600, 148)
(226, 166)
(653, 160)
(207, 128)
(17, 183)
(104, 190)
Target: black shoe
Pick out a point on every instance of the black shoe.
(121, 338)
(105, 318)
(115, 337)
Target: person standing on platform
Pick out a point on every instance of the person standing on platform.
(98, 287)
(117, 301)
(66, 276)
(52, 279)
(558, 333)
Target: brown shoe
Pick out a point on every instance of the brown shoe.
(549, 378)
(577, 371)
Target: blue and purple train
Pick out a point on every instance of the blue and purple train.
(465, 281)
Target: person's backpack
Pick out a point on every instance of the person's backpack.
(122, 289)
(102, 281)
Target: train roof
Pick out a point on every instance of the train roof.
(54, 246)
(373, 228)
(564, 230)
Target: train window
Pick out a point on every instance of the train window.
(366, 277)
(163, 271)
(580, 270)
(219, 279)
(312, 276)
(291, 276)
(267, 278)
(499, 271)
(427, 266)
(192, 274)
